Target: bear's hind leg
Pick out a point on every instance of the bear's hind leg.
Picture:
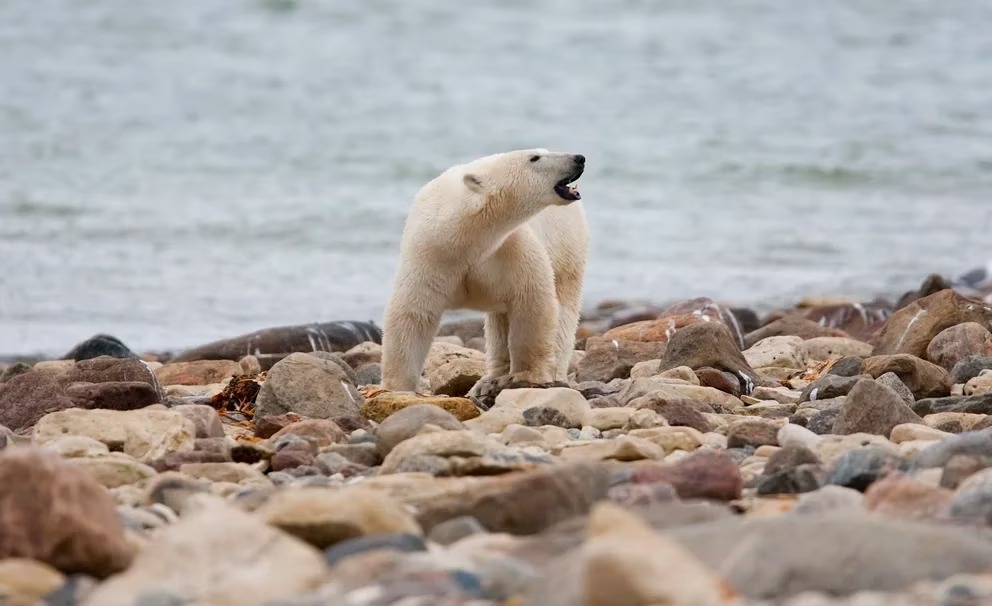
(407, 334)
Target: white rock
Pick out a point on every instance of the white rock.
(146, 434)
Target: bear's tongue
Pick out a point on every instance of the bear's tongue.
(568, 191)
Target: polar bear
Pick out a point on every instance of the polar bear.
(504, 234)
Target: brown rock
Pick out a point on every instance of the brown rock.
(267, 426)
(708, 344)
(752, 433)
(27, 397)
(200, 372)
(958, 342)
(859, 320)
(124, 395)
(291, 457)
(106, 369)
(902, 496)
(791, 325)
(718, 379)
(205, 419)
(675, 317)
(677, 411)
(911, 329)
(381, 406)
(924, 379)
(961, 466)
(608, 359)
(57, 514)
(323, 432)
(790, 456)
(309, 386)
(704, 474)
(873, 408)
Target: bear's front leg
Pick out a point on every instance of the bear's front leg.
(411, 321)
(533, 334)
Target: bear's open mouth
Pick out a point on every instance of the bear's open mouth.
(565, 188)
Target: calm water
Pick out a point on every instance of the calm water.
(175, 172)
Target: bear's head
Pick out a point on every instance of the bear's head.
(538, 176)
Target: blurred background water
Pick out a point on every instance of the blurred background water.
(176, 172)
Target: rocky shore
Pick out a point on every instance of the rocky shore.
(835, 453)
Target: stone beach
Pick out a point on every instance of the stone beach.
(833, 453)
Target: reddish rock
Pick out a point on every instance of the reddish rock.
(27, 397)
(107, 370)
(117, 395)
(752, 433)
(323, 432)
(911, 329)
(704, 474)
(675, 317)
(55, 513)
(709, 344)
(924, 379)
(718, 379)
(956, 343)
(899, 495)
(200, 372)
(292, 456)
(608, 359)
(268, 426)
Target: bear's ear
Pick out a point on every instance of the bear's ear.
(473, 183)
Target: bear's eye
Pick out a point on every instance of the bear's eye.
(535, 158)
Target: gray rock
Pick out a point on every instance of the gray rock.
(829, 386)
(822, 423)
(871, 407)
(970, 367)
(967, 443)
(861, 467)
(369, 374)
(980, 404)
(795, 480)
(837, 553)
(456, 529)
(828, 498)
(309, 386)
(404, 542)
(846, 367)
(407, 422)
(539, 416)
(791, 455)
(893, 382)
(972, 503)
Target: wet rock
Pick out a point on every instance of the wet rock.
(901, 496)
(195, 557)
(708, 344)
(382, 406)
(794, 480)
(871, 407)
(970, 367)
(911, 329)
(55, 513)
(954, 344)
(97, 346)
(308, 386)
(772, 558)
(321, 432)
(961, 466)
(323, 517)
(408, 422)
(861, 467)
(146, 434)
(826, 348)
(980, 404)
(756, 433)
(201, 372)
(924, 379)
(792, 325)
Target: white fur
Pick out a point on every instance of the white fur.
(491, 235)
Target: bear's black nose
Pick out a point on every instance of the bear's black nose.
(580, 159)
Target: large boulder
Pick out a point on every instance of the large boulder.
(911, 329)
(708, 344)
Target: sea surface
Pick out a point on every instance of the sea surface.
(177, 172)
